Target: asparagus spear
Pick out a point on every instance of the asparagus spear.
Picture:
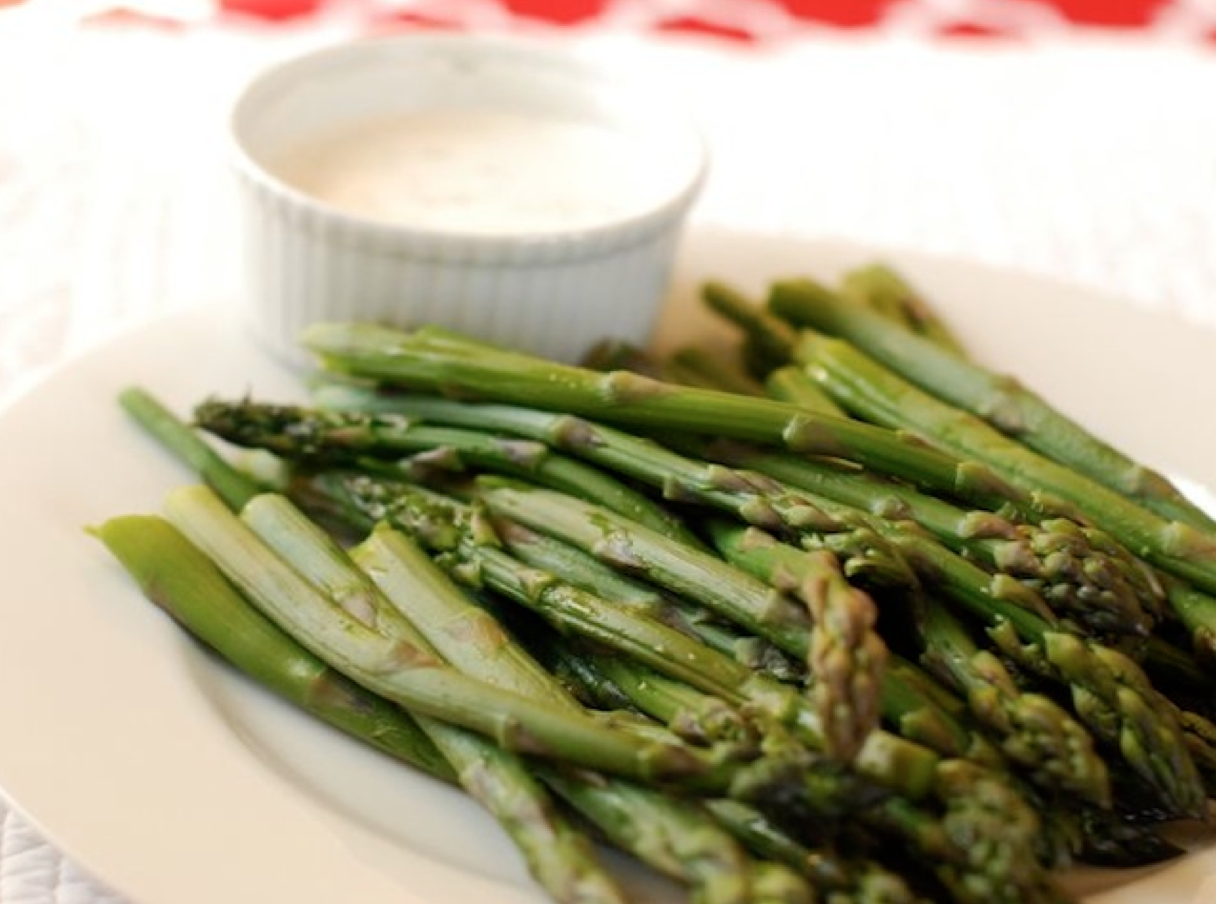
(559, 856)
(769, 340)
(978, 841)
(690, 365)
(1080, 572)
(1032, 730)
(1035, 732)
(789, 384)
(186, 583)
(845, 654)
(842, 877)
(981, 805)
(711, 369)
(886, 292)
(774, 883)
(687, 710)
(675, 836)
(1111, 695)
(999, 399)
(668, 651)
(408, 674)
(892, 759)
(184, 443)
(844, 645)
(874, 392)
(700, 576)
(752, 496)
(1196, 611)
(844, 650)
(920, 718)
(589, 574)
(927, 711)
(434, 360)
(315, 436)
(176, 576)
(965, 579)
(243, 546)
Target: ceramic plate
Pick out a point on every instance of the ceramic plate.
(176, 782)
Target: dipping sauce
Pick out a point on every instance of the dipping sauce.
(483, 171)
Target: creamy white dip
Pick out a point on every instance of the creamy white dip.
(486, 171)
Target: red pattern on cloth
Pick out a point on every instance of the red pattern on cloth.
(756, 20)
(707, 27)
(841, 13)
(272, 9)
(559, 12)
(1111, 12)
(970, 30)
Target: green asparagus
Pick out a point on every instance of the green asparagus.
(1079, 571)
(559, 856)
(407, 672)
(175, 575)
(873, 392)
(706, 578)
(999, 399)
(662, 648)
(676, 837)
(434, 360)
(882, 289)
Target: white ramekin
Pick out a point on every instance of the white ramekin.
(553, 293)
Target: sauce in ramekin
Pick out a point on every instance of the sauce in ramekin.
(473, 170)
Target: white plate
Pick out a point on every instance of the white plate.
(176, 782)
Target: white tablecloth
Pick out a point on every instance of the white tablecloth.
(1093, 163)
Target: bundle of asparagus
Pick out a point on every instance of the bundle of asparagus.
(854, 621)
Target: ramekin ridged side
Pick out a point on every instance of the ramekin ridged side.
(303, 266)
(553, 294)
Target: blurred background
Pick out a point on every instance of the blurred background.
(1068, 137)
(1074, 139)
